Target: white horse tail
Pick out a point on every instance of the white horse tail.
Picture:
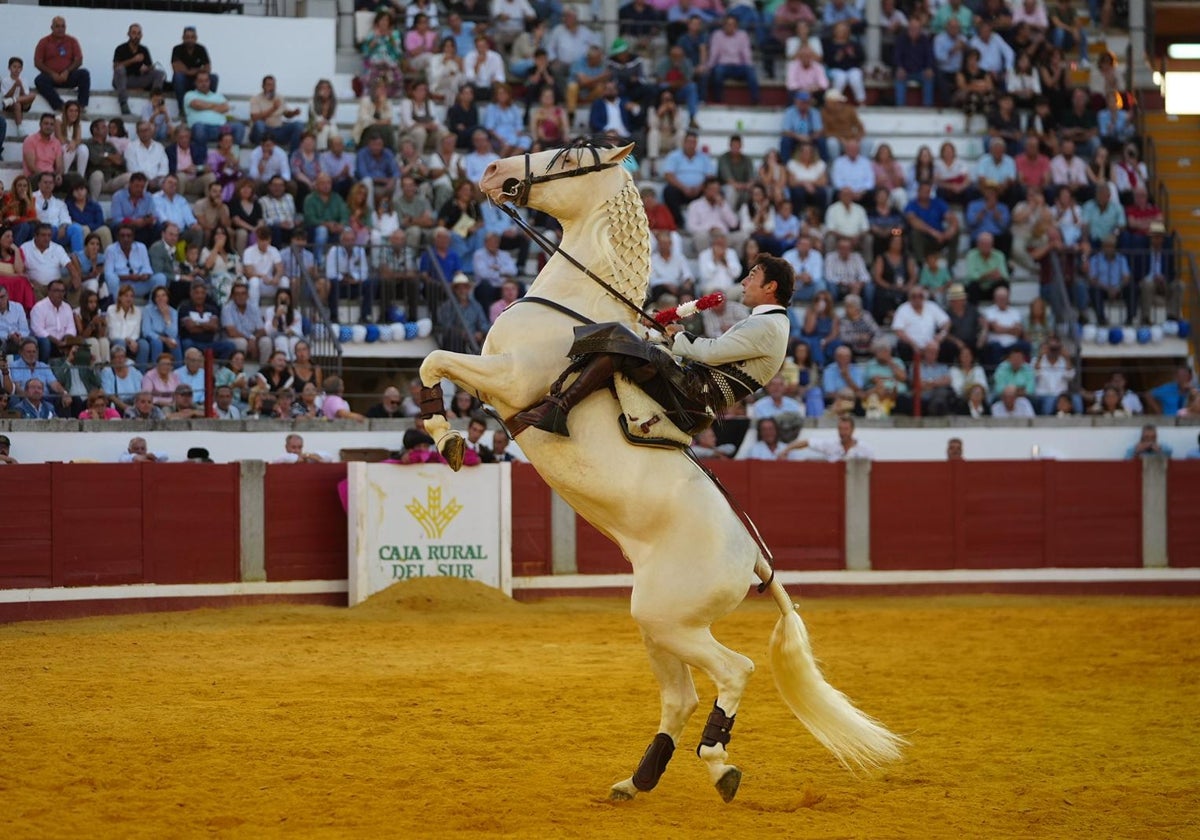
(855, 738)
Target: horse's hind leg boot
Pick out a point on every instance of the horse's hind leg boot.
(432, 404)
(550, 415)
(654, 762)
(717, 729)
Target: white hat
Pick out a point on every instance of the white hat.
(460, 279)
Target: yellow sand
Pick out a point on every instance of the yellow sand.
(445, 710)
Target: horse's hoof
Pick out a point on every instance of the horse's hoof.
(622, 791)
(453, 449)
(728, 784)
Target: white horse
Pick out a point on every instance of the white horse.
(692, 559)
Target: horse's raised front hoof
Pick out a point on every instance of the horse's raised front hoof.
(622, 791)
(728, 784)
(453, 448)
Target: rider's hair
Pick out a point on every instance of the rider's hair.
(780, 271)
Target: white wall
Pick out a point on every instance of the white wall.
(243, 49)
(889, 444)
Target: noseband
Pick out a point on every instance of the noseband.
(518, 191)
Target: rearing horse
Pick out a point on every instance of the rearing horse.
(692, 558)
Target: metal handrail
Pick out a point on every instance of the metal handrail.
(1066, 317)
(1191, 300)
(472, 345)
(326, 343)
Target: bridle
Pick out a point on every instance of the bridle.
(518, 192)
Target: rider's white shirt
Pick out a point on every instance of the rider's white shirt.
(757, 345)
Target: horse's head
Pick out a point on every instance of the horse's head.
(560, 182)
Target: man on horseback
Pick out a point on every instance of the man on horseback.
(714, 373)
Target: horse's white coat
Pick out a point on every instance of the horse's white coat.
(692, 559)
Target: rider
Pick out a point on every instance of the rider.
(715, 372)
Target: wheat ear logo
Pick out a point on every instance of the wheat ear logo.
(432, 516)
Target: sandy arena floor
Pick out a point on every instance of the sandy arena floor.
(444, 711)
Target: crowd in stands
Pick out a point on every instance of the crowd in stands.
(207, 247)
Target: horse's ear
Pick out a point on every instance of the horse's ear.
(620, 154)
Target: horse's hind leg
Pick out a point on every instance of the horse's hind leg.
(730, 671)
(679, 700)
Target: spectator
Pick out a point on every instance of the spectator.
(492, 267)
(45, 260)
(1006, 330)
(987, 270)
(27, 367)
(729, 58)
(998, 168)
(293, 453)
(160, 327)
(932, 226)
(801, 125)
(200, 324)
(125, 325)
(147, 156)
(1080, 124)
(996, 57)
(132, 207)
(768, 446)
(853, 170)
(678, 75)
(207, 113)
(987, 215)
(949, 47)
(611, 115)
(189, 60)
(920, 324)
(711, 212)
(845, 447)
(805, 74)
(243, 324)
(1033, 169)
(142, 408)
(718, 266)
(279, 215)
(335, 406)
(15, 96)
(1004, 123)
(844, 59)
(846, 272)
(669, 271)
(809, 268)
(1053, 377)
(975, 90)
(14, 325)
(33, 406)
(1103, 216)
(347, 268)
(1023, 83)
(388, 407)
(1109, 279)
(1148, 445)
(484, 67)
(1167, 399)
(465, 333)
(1155, 273)
(264, 266)
(846, 219)
(53, 211)
(685, 170)
(106, 166)
(271, 117)
(121, 380)
(184, 407)
(1068, 170)
(134, 68)
(735, 171)
(88, 215)
(1012, 404)
(43, 151)
(59, 60)
(376, 167)
(52, 322)
(70, 134)
(915, 62)
(127, 262)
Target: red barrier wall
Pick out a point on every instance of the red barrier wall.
(1183, 513)
(1006, 514)
(110, 524)
(531, 546)
(306, 524)
(797, 508)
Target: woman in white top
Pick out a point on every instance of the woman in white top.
(70, 133)
(807, 178)
(804, 37)
(283, 324)
(445, 72)
(1023, 82)
(1129, 172)
(385, 221)
(952, 175)
(125, 325)
(418, 120)
(967, 373)
(375, 116)
(445, 170)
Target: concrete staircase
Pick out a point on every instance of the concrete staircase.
(1177, 167)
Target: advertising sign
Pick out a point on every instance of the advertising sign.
(422, 520)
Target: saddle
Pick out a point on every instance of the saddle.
(646, 423)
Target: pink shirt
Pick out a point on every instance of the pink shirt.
(332, 405)
(45, 321)
(808, 78)
(45, 152)
(728, 49)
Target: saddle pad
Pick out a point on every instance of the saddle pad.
(645, 417)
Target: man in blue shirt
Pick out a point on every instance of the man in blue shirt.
(989, 215)
(801, 124)
(1108, 277)
(134, 207)
(27, 368)
(1169, 397)
(999, 168)
(1148, 445)
(128, 262)
(933, 226)
(376, 167)
(914, 62)
(685, 171)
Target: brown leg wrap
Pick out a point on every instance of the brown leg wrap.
(716, 729)
(432, 404)
(654, 762)
(550, 415)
